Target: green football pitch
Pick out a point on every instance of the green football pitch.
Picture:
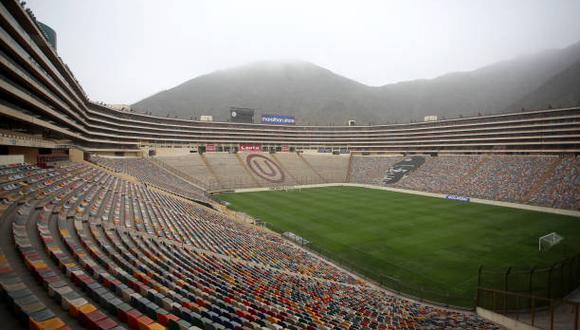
(422, 245)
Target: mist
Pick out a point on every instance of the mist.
(124, 51)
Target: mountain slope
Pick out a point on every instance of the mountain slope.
(299, 88)
(562, 90)
(318, 96)
(490, 89)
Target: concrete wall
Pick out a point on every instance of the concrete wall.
(172, 151)
(30, 154)
(505, 321)
(76, 155)
(133, 154)
(11, 159)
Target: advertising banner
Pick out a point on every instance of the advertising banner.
(458, 198)
(278, 119)
(211, 148)
(285, 148)
(250, 147)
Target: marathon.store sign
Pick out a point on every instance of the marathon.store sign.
(250, 147)
(278, 119)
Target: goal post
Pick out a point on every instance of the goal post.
(546, 242)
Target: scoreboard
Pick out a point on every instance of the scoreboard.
(241, 115)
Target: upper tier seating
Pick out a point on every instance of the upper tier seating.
(116, 254)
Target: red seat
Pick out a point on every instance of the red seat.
(106, 324)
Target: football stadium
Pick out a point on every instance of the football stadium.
(117, 219)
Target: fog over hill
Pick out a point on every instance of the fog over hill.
(318, 96)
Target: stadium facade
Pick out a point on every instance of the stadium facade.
(42, 97)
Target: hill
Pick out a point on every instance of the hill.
(560, 91)
(311, 93)
(318, 96)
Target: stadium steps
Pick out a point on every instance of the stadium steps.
(349, 169)
(212, 172)
(247, 170)
(132, 179)
(549, 173)
(186, 177)
(275, 159)
(322, 180)
(121, 175)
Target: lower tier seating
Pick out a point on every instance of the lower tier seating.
(540, 180)
(107, 253)
(149, 173)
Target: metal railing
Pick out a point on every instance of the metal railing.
(551, 281)
(534, 310)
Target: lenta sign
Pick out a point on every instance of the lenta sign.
(249, 147)
(265, 168)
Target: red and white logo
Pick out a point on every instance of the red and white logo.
(265, 168)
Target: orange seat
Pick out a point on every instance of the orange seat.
(50, 324)
(155, 326)
(144, 322)
(75, 311)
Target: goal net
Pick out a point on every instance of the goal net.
(546, 242)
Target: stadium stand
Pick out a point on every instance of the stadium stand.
(229, 171)
(370, 169)
(505, 178)
(191, 167)
(261, 178)
(297, 169)
(441, 174)
(149, 173)
(234, 171)
(112, 252)
(562, 189)
(540, 180)
(332, 168)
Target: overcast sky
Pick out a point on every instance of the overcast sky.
(125, 50)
